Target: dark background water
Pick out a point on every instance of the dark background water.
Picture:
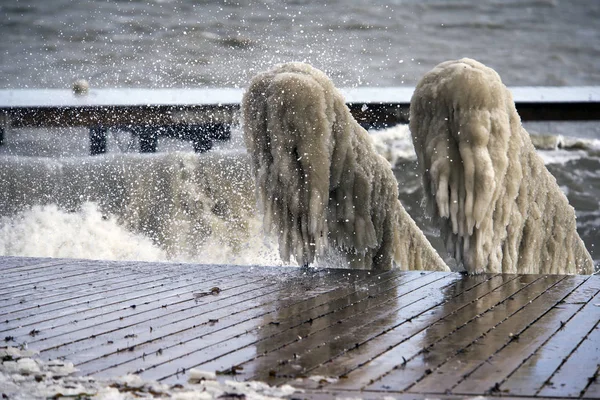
(183, 43)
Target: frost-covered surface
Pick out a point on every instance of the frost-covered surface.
(320, 182)
(499, 208)
(23, 376)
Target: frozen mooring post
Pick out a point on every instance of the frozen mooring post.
(498, 207)
(323, 189)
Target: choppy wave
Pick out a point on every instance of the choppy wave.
(48, 231)
(389, 42)
(168, 206)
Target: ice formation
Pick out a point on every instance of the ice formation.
(498, 207)
(320, 183)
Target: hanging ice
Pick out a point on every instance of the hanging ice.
(498, 207)
(320, 183)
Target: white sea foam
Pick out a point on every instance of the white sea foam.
(561, 156)
(559, 149)
(48, 231)
(394, 143)
(163, 207)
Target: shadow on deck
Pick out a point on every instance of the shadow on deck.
(333, 332)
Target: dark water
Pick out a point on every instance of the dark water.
(185, 43)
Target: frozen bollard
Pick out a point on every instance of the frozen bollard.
(321, 185)
(498, 207)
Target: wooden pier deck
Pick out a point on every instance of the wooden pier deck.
(333, 332)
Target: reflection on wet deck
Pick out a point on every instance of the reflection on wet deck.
(404, 334)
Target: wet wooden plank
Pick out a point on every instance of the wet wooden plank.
(584, 293)
(492, 371)
(13, 277)
(325, 335)
(339, 394)
(208, 344)
(377, 345)
(59, 290)
(446, 320)
(165, 292)
(15, 265)
(497, 327)
(175, 313)
(537, 369)
(578, 371)
(68, 284)
(184, 316)
(144, 332)
(56, 275)
(394, 333)
(35, 308)
(593, 389)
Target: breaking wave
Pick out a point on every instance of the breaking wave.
(162, 207)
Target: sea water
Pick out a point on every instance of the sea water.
(183, 43)
(56, 200)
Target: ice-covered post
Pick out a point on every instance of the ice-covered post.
(498, 207)
(5, 122)
(321, 185)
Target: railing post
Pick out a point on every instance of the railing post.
(4, 122)
(148, 139)
(97, 140)
(200, 138)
